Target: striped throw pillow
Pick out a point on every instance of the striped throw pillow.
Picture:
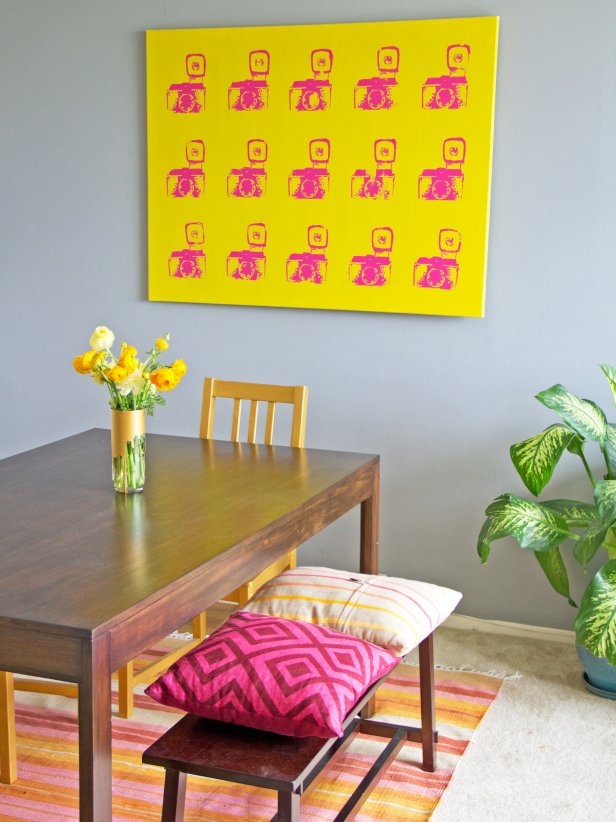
(394, 613)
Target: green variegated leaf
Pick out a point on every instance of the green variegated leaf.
(609, 448)
(595, 625)
(490, 530)
(610, 373)
(584, 416)
(590, 542)
(531, 525)
(483, 541)
(536, 457)
(554, 569)
(577, 514)
(605, 497)
(576, 446)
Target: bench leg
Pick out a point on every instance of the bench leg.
(288, 807)
(426, 692)
(8, 753)
(174, 796)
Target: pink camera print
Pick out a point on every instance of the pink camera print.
(252, 94)
(249, 264)
(379, 93)
(440, 271)
(251, 180)
(189, 262)
(312, 183)
(379, 185)
(310, 266)
(190, 180)
(449, 90)
(445, 182)
(314, 94)
(189, 97)
(374, 269)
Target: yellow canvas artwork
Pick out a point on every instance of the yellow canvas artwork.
(326, 166)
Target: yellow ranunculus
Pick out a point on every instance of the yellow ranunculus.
(116, 374)
(164, 379)
(179, 368)
(86, 363)
(128, 360)
(128, 349)
(161, 343)
(102, 338)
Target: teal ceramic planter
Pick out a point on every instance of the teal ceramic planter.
(599, 674)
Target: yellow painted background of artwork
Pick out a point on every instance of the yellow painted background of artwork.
(419, 134)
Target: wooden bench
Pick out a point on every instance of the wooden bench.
(285, 764)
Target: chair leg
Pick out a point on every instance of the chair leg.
(8, 750)
(244, 592)
(288, 807)
(199, 626)
(174, 797)
(426, 692)
(126, 674)
(125, 690)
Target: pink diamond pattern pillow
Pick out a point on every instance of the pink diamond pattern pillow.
(394, 613)
(274, 674)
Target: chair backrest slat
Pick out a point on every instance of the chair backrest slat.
(252, 422)
(235, 425)
(269, 423)
(295, 395)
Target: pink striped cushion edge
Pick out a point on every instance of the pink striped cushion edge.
(392, 612)
(274, 674)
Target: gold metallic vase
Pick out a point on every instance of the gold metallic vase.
(128, 451)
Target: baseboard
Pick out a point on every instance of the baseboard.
(495, 626)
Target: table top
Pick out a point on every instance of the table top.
(74, 554)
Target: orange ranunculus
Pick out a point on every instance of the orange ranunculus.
(161, 343)
(116, 374)
(164, 379)
(179, 368)
(85, 363)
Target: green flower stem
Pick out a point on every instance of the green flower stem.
(129, 470)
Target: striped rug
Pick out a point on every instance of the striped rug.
(47, 788)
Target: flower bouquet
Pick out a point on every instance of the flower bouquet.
(134, 390)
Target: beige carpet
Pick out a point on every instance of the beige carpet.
(545, 751)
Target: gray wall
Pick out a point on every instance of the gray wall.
(440, 399)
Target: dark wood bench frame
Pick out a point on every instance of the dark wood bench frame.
(237, 754)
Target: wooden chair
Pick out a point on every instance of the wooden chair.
(254, 393)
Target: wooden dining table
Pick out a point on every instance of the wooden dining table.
(89, 578)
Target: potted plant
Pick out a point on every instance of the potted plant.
(543, 526)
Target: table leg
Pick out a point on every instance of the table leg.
(369, 540)
(8, 756)
(369, 549)
(95, 733)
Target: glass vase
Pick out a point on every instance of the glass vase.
(128, 451)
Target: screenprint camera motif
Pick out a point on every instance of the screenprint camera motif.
(337, 166)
